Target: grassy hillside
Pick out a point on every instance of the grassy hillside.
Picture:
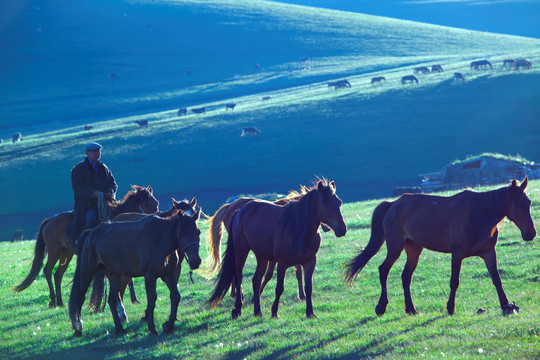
(346, 327)
(367, 138)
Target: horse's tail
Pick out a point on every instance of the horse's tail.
(37, 262)
(354, 266)
(225, 276)
(210, 266)
(80, 281)
(96, 302)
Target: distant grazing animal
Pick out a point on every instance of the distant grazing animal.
(16, 137)
(340, 84)
(181, 111)
(88, 127)
(288, 235)
(53, 240)
(463, 225)
(257, 66)
(522, 63)
(230, 106)
(436, 68)
(142, 123)
(509, 63)
(265, 98)
(18, 235)
(250, 131)
(112, 76)
(481, 64)
(153, 244)
(201, 110)
(422, 69)
(408, 78)
(305, 60)
(458, 77)
(377, 80)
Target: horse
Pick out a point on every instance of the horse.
(458, 77)
(146, 248)
(509, 63)
(18, 235)
(223, 216)
(266, 98)
(377, 80)
(522, 63)
(250, 130)
(409, 78)
(463, 225)
(481, 64)
(422, 69)
(200, 110)
(142, 123)
(230, 106)
(288, 235)
(181, 111)
(88, 127)
(340, 84)
(96, 298)
(436, 68)
(16, 137)
(54, 239)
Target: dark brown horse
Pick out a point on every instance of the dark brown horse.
(53, 239)
(408, 78)
(98, 288)
(463, 225)
(288, 235)
(146, 248)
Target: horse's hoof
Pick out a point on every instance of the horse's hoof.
(236, 313)
(411, 312)
(52, 305)
(275, 316)
(257, 314)
(510, 309)
(302, 297)
(380, 310)
(311, 316)
(167, 327)
(480, 311)
(135, 301)
(77, 333)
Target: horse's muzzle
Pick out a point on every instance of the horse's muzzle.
(341, 231)
(194, 263)
(528, 236)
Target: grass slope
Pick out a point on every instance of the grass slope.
(346, 327)
(368, 138)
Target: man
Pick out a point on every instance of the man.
(89, 178)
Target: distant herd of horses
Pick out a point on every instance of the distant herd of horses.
(140, 241)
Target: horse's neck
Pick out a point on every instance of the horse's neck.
(130, 204)
(305, 216)
(492, 206)
(167, 243)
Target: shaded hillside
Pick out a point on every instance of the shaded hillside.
(368, 138)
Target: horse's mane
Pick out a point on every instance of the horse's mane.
(135, 188)
(297, 195)
(489, 208)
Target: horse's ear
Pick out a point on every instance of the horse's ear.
(320, 185)
(514, 183)
(524, 183)
(175, 203)
(149, 188)
(333, 184)
(193, 202)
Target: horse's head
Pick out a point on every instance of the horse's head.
(145, 195)
(189, 237)
(329, 209)
(185, 205)
(519, 211)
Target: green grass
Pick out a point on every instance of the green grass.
(346, 327)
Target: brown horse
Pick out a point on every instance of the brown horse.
(463, 225)
(146, 248)
(288, 235)
(98, 288)
(54, 239)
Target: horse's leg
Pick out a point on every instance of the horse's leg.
(125, 280)
(457, 259)
(298, 272)
(59, 274)
(171, 282)
(309, 268)
(81, 283)
(281, 269)
(132, 294)
(47, 272)
(413, 251)
(114, 288)
(491, 263)
(262, 264)
(269, 274)
(241, 257)
(151, 296)
(394, 245)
